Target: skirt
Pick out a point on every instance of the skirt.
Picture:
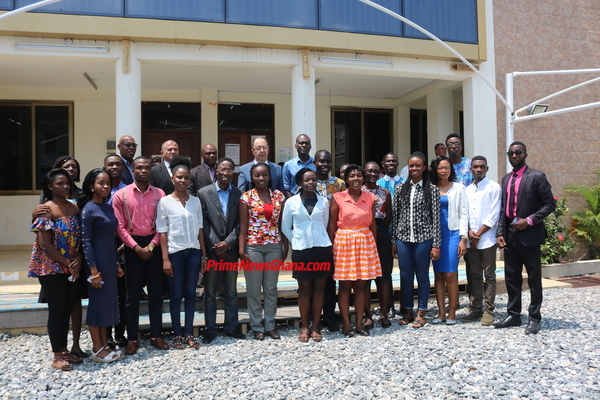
(313, 263)
(355, 255)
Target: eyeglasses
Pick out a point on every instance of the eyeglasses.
(443, 168)
(259, 148)
(225, 170)
(514, 153)
(453, 144)
(128, 145)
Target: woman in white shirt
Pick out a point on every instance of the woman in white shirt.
(179, 222)
(454, 226)
(304, 223)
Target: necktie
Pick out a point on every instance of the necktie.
(512, 212)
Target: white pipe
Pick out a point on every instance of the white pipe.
(27, 8)
(510, 122)
(558, 72)
(556, 112)
(556, 94)
(440, 42)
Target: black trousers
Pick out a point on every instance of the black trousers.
(515, 256)
(137, 272)
(60, 295)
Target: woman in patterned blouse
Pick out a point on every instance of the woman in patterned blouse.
(416, 232)
(262, 245)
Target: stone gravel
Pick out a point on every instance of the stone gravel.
(464, 361)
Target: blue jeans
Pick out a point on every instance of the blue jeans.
(414, 260)
(186, 267)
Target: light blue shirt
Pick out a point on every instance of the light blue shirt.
(223, 197)
(291, 168)
(115, 190)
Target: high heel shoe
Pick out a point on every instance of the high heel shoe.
(349, 333)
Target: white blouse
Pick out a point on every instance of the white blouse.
(182, 225)
(302, 229)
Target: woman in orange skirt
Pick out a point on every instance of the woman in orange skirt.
(353, 231)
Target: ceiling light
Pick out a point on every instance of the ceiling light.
(47, 46)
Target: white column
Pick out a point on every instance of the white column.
(303, 103)
(209, 117)
(128, 94)
(440, 118)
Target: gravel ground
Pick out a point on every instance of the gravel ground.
(435, 362)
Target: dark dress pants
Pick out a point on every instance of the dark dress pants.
(211, 280)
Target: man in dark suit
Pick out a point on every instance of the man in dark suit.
(127, 147)
(220, 211)
(260, 149)
(161, 173)
(203, 174)
(526, 200)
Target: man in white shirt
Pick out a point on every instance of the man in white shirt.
(161, 173)
(484, 197)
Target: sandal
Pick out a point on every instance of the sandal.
(419, 321)
(110, 357)
(303, 336)
(316, 336)
(178, 342)
(407, 318)
(191, 342)
(70, 357)
(61, 364)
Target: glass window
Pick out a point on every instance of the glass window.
(170, 115)
(6, 4)
(450, 20)
(205, 10)
(291, 13)
(33, 136)
(246, 116)
(343, 15)
(86, 7)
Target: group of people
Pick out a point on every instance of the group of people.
(131, 224)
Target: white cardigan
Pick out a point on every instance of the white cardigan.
(458, 209)
(303, 230)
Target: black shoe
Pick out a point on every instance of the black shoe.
(332, 325)
(273, 334)
(363, 332)
(533, 327)
(143, 295)
(385, 323)
(208, 337)
(259, 335)
(349, 333)
(236, 333)
(121, 341)
(511, 320)
(111, 343)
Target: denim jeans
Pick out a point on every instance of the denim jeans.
(211, 279)
(414, 260)
(186, 267)
(262, 253)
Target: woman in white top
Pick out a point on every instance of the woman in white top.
(454, 226)
(304, 223)
(179, 222)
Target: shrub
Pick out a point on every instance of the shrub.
(558, 243)
(586, 223)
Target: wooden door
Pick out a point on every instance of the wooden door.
(243, 139)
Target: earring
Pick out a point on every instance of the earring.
(50, 188)
(92, 190)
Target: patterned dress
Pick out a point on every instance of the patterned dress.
(66, 237)
(355, 254)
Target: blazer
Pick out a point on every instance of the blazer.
(302, 229)
(534, 200)
(244, 179)
(199, 177)
(217, 227)
(161, 178)
(127, 175)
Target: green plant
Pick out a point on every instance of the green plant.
(586, 223)
(558, 243)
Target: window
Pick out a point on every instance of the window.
(342, 15)
(205, 10)
(85, 7)
(33, 136)
(290, 13)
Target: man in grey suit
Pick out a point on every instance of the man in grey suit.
(260, 149)
(526, 200)
(221, 231)
(161, 173)
(203, 174)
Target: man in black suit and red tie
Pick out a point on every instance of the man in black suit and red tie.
(526, 200)
(161, 173)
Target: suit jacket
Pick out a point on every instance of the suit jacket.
(534, 200)
(199, 177)
(244, 179)
(161, 178)
(218, 227)
(127, 176)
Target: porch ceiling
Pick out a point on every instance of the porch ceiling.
(67, 72)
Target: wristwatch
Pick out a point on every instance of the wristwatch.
(151, 246)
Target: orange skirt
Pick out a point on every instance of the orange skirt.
(355, 255)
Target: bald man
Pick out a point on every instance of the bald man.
(203, 174)
(161, 173)
(127, 148)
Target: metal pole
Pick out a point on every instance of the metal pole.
(27, 8)
(558, 72)
(556, 112)
(510, 123)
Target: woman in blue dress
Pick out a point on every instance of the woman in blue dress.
(99, 227)
(454, 224)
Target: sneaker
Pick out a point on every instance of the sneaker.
(472, 316)
(487, 319)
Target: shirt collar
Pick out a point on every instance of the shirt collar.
(394, 179)
(521, 171)
(420, 183)
(481, 182)
(228, 190)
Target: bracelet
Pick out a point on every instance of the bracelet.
(435, 248)
(95, 276)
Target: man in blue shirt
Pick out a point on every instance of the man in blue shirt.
(294, 165)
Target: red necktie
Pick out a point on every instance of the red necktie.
(512, 212)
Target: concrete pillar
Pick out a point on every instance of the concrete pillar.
(303, 102)
(440, 118)
(128, 94)
(210, 117)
